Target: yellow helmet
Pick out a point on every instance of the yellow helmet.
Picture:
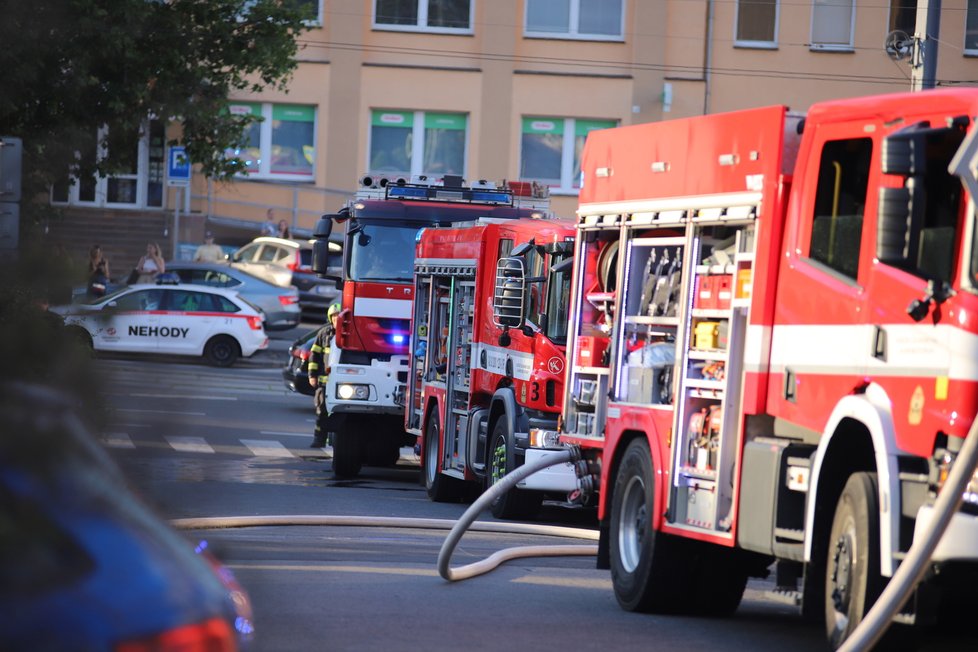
(333, 310)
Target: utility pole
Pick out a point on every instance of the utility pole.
(923, 68)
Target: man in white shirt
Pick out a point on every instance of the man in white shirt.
(209, 252)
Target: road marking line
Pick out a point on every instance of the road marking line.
(191, 414)
(193, 396)
(189, 444)
(117, 440)
(266, 447)
(285, 434)
(569, 582)
(376, 570)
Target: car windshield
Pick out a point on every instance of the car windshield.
(382, 252)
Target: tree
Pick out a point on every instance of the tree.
(74, 66)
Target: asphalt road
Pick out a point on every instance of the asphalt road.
(202, 442)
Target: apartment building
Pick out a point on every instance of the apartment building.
(509, 89)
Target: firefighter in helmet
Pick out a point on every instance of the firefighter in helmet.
(319, 373)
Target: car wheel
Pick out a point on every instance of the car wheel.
(222, 351)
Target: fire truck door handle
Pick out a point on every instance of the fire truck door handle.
(790, 385)
(879, 343)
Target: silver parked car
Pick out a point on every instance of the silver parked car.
(288, 262)
(280, 304)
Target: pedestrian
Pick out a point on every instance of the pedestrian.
(209, 252)
(319, 373)
(98, 272)
(150, 265)
(269, 228)
(283, 230)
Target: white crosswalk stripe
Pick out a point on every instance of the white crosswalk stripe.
(266, 448)
(118, 440)
(189, 444)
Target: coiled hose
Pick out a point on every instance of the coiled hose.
(458, 528)
(467, 520)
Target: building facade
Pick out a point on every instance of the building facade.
(509, 89)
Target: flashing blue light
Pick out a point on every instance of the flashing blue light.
(407, 191)
(492, 197)
(397, 338)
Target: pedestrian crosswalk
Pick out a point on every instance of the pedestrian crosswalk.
(196, 410)
(248, 447)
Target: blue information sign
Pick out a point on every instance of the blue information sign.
(178, 167)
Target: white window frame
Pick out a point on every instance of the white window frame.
(265, 143)
(574, 18)
(762, 45)
(833, 47)
(418, 141)
(970, 6)
(422, 24)
(141, 177)
(318, 20)
(569, 140)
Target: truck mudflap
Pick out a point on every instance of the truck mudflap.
(560, 478)
(958, 542)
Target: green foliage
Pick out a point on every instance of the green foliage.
(35, 347)
(72, 66)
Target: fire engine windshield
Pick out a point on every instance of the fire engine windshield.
(382, 252)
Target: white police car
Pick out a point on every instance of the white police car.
(170, 319)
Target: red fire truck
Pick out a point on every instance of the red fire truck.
(488, 336)
(773, 352)
(369, 362)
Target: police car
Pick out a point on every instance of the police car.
(170, 319)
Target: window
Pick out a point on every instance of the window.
(281, 145)
(383, 252)
(757, 23)
(971, 28)
(139, 184)
(840, 201)
(551, 148)
(832, 24)
(580, 19)
(139, 301)
(903, 16)
(414, 143)
(427, 15)
(311, 10)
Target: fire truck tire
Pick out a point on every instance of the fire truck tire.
(346, 451)
(440, 487)
(852, 578)
(515, 503)
(647, 569)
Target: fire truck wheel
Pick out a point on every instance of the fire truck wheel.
(646, 568)
(346, 451)
(852, 577)
(441, 488)
(515, 503)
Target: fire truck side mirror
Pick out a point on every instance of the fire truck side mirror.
(510, 293)
(320, 245)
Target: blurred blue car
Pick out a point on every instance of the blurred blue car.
(84, 565)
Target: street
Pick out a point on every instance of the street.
(202, 442)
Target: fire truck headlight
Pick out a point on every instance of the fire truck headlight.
(348, 392)
(540, 438)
